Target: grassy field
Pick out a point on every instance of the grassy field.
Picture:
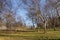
(30, 35)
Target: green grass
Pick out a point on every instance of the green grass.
(31, 35)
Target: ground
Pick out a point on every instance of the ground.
(30, 35)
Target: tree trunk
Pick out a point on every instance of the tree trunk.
(45, 25)
(54, 24)
(54, 28)
(33, 24)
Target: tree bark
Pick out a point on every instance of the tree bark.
(45, 25)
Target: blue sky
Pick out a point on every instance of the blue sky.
(22, 13)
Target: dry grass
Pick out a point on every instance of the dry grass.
(31, 35)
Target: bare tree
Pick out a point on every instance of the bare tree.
(8, 13)
(54, 4)
(33, 8)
